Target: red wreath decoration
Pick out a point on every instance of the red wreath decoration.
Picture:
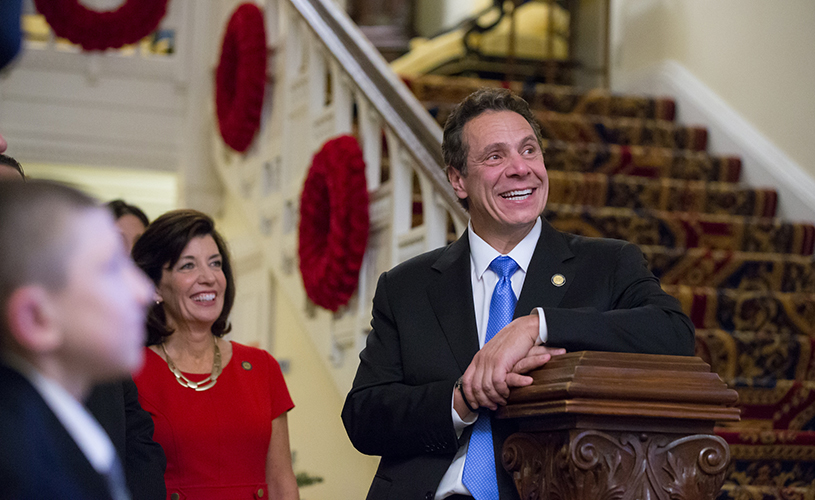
(240, 80)
(94, 30)
(333, 223)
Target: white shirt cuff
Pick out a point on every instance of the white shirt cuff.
(543, 330)
(458, 423)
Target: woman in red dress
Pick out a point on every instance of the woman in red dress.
(219, 407)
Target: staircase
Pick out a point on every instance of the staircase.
(619, 167)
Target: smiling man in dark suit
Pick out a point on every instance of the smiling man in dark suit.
(72, 311)
(454, 329)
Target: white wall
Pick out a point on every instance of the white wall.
(318, 438)
(757, 56)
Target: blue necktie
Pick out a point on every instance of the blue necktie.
(479, 467)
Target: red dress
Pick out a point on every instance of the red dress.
(216, 441)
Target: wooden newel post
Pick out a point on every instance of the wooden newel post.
(598, 425)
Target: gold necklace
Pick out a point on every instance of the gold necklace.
(201, 385)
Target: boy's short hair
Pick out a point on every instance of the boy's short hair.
(11, 162)
(35, 234)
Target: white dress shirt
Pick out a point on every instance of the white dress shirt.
(483, 282)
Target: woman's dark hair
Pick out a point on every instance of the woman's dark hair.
(120, 208)
(160, 248)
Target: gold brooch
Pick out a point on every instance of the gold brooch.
(246, 365)
(558, 280)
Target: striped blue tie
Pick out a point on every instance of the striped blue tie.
(479, 467)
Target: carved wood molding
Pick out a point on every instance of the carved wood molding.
(589, 464)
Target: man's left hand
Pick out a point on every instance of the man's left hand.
(500, 364)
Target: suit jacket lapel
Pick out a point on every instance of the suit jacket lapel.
(451, 297)
(551, 257)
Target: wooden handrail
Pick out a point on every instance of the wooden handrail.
(399, 109)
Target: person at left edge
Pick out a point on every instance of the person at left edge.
(11, 34)
(115, 405)
(10, 169)
(72, 310)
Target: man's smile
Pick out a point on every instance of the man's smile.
(516, 195)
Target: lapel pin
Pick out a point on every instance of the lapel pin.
(246, 365)
(558, 279)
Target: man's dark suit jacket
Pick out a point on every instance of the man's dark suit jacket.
(424, 337)
(116, 407)
(38, 458)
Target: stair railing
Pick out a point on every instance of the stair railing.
(329, 80)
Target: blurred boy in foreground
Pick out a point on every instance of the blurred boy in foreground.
(72, 308)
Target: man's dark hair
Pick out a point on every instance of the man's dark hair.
(453, 147)
(120, 208)
(11, 162)
(160, 247)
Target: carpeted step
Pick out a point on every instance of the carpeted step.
(583, 129)
(775, 404)
(747, 310)
(682, 230)
(733, 491)
(769, 464)
(445, 92)
(756, 356)
(624, 191)
(622, 131)
(767, 461)
(641, 161)
(729, 269)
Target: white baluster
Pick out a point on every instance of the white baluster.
(401, 196)
(318, 69)
(341, 100)
(434, 215)
(370, 134)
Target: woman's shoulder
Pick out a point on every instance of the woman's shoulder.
(249, 353)
(152, 367)
(257, 360)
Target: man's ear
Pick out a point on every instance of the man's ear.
(457, 181)
(32, 319)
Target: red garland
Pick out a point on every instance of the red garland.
(94, 30)
(240, 80)
(333, 223)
